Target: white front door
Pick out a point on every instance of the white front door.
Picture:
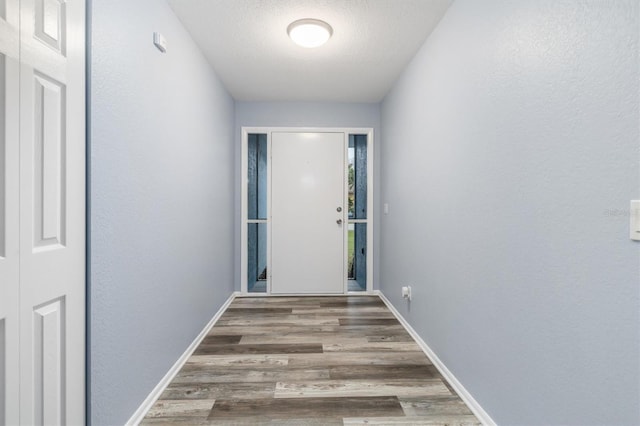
(307, 212)
(42, 200)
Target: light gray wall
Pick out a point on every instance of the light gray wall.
(510, 153)
(161, 213)
(308, 114)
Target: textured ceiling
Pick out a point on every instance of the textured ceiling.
(247, 44)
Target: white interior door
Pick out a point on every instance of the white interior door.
(307, 212)
(9, 211)
(42, 204)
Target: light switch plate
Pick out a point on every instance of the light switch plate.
(634, 213)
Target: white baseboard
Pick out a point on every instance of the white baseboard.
(146, 405)
(455, 384)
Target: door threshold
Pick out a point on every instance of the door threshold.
(351, 293)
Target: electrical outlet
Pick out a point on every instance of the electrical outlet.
(406, 292)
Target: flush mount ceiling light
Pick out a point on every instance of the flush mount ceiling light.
(309, 32)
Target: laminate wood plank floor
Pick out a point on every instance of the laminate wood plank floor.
(335, 360)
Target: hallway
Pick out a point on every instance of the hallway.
(309, 360)
(505, 158)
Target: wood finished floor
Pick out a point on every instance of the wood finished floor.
(309, 361)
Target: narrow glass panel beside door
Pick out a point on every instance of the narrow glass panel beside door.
(357, 238)
(257, 177)
(357, 176)
(357, 257)
(257, 213)
(257, 258)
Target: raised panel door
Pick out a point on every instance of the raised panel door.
(52, 212)
(9, 212)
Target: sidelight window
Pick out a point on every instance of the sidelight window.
(357, 200)
(257, 213)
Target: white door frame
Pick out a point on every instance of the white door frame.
(246, 130)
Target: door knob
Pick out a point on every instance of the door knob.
(339, 209)
(339, 221)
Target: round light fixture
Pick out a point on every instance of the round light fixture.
(309, 32)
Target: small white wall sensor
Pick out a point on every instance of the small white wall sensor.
(634, 213)
(160, 42)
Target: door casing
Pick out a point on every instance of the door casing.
(246, 130)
